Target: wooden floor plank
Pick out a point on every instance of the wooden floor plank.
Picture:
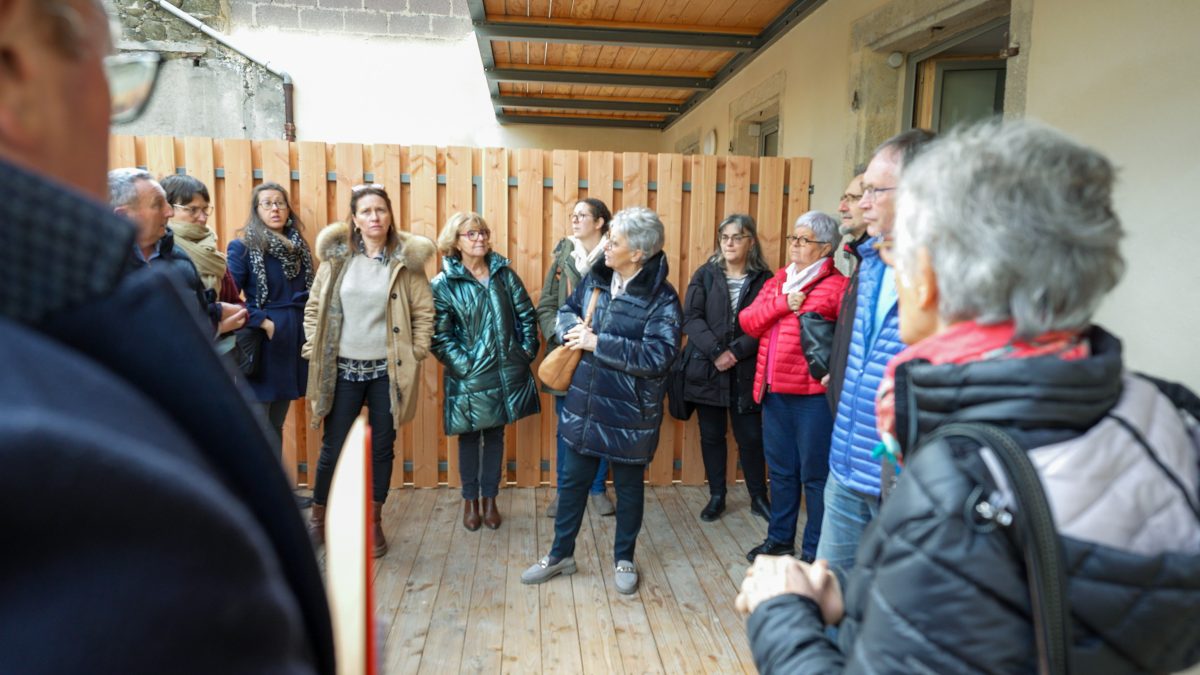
(635, 638)
(711, 643)
(711, 574)
(406, 641)
(404, 528)
(485, 624)
(560, 632)
(522, 634)
(728, 550)
(443, 648)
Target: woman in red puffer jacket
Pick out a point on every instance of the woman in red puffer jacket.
(797, 423)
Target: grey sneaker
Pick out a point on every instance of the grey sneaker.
(626, 578)
(552, 510)
(602, 504)
(542, 570)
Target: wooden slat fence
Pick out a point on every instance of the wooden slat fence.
(526, 197)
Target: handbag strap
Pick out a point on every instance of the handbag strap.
(591, 309)
(1038, 539)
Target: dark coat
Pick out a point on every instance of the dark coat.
(561, 279)
(844, 329)
(614, 406)
(933, 591)
(283, 375)
(145, 520)
(712, 327)
(179, 263)
(486, 337)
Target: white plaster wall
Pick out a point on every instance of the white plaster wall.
(406, 91)
(1121, 76)
(815, 105)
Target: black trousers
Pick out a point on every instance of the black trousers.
(348, 400)
(276, 412)
(748, 432)
(578, 473)
(480, 462)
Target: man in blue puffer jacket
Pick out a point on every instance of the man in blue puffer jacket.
(852, 490)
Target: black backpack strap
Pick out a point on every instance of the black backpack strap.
(1036, 537)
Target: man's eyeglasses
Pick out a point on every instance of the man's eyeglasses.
(732, 238)
(271, 206)
(477, 235)
(131, 80)
(194, 210)
(803, 241)
(851, 197)
(871, 192)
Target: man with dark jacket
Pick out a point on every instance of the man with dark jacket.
(148, 528)
(135, 194)
(854, 233)
(867, 337)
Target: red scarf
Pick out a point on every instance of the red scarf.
(963, 343)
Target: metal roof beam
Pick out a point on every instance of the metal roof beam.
(597, 78)
(626, 37)
(585, 104)
(579, 121)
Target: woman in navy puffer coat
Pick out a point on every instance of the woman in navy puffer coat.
(614, 405)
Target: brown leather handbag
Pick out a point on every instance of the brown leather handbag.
(558, 367)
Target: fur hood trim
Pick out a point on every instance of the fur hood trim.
(333, 242)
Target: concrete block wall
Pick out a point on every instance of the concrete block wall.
(425, 19)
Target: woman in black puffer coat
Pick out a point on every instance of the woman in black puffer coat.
(719, 361)
(1006, 241)
(614, 405)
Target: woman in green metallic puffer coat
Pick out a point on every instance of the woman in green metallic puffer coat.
(485, 334)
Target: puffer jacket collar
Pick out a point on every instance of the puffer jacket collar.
(642, 289)
(1022, 395)
(454, 268)
(333, 243)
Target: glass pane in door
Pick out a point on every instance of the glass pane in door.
(969, 96)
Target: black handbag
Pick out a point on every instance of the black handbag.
(248, 348)
(677, 407)
(816, 341)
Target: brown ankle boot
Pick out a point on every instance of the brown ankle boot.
(381, 546)
(491, 516)
(316, 525)
(471, 514)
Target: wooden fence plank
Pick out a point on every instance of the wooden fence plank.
(635, 175)
(276, 162)
(600, 176)
(564, 196)
(348, 160)
(160, 156)
(670, 211)
(239, 182)
(427, 427)
(773, 227)
(459, 194)
(122, 152)
(737, 185)
(527, 263)
(799, 177)
(198, 159)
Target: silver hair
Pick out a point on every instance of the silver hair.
(122, 185)
(1018, 222)
(642, 228)
(823, 225)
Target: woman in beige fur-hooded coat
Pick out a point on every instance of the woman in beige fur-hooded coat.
(368, 324)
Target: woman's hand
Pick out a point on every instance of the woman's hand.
(795, 299)
(233, 317)
(580, 337)
(772, 576)
(268, 327)
(725, 361)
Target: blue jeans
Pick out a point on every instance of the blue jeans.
(796, 434)
(629, 482)
(601, 473)
(847, 514)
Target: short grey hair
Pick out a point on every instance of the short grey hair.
(122, 185)
(67, 26)
(642, 228)
(1018, 223)
(907, 145)
(823, 225)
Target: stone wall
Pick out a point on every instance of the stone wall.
(205, 88)
(428, 19)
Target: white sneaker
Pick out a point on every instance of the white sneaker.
(626, 578)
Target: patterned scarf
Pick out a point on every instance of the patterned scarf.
(963, 343)
(292, 253)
